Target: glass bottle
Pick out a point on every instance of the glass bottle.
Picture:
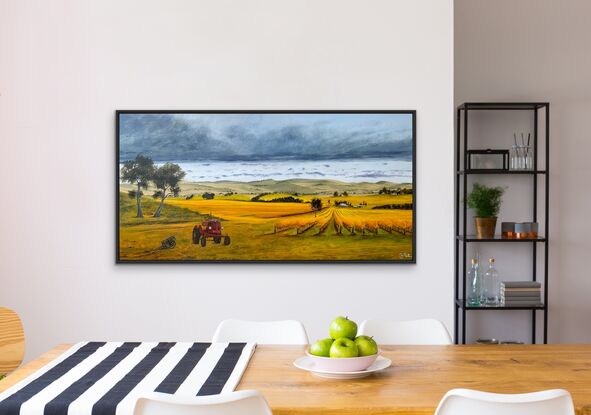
(513, 163)
(529, 162)
(474, 290)
(520, 157)
(491, 286)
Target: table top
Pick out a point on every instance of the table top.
(414, 384)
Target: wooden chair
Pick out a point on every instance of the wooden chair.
(247, 402)
(12, 341)
(470, 402)
(261, 332)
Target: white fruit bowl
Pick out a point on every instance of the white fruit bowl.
(342, 364)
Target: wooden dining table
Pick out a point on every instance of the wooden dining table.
(414, 384)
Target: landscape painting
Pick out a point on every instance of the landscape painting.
(266, 186)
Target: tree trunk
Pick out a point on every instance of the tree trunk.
(139, 202)
(159, 210)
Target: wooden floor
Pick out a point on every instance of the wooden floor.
(415, 383)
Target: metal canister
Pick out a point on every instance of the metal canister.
(508, 229)
(522, 230)
(533, 233)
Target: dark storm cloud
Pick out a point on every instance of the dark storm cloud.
(232, 137)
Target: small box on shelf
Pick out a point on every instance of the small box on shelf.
(486, 160)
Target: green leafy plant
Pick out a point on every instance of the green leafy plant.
(486, 201)
(2, 376)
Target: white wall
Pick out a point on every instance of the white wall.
(67, 65)
(536, 50)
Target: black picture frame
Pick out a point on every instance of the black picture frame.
(410, 261)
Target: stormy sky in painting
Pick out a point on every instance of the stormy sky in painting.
(251, 137)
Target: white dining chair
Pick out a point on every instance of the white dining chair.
(261, 332)
(470, 402)
(415, 332)
(234, 403)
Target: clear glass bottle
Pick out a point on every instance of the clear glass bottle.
(491, 285)
(513, 158)
(520, 157)
(474, 290)
(529, 161)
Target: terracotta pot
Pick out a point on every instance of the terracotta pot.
(485, 227)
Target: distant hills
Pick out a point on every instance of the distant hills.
(301, 186)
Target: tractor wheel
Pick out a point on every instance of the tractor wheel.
(196, 235)
(203, 241)
(217, 239)
(226, 240)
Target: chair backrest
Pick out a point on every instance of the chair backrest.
(233, 403)
(470, 402)
(261, 332)
(426, 331)
(12, 341)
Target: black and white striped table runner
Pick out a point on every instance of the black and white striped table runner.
(106, 378)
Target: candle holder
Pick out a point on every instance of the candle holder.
(508, 230)
(521, 230)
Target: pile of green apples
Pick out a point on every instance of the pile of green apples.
(344, 342)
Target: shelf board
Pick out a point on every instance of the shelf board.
(461, 304)
(509, 172)
(502, 105)
(498, 238)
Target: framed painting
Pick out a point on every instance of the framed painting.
(265, 186)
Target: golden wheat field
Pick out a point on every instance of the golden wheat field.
(345, 228)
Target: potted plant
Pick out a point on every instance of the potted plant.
(486, 202)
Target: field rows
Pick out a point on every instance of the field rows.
(270, 230)
(354, 221)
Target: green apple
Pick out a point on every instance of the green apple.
(321, 347)
(343, 347)
(343, 327)
(366, 345)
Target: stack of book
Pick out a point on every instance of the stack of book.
(521, 293)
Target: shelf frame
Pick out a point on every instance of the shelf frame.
(462, 304)
(461, 212)
(503, 106)
(474, 238)
(494, 171)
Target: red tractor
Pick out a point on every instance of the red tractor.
(210, 228)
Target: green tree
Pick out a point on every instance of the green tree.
(138, 172)
(345, 194)
(166, 178)
(316, 204)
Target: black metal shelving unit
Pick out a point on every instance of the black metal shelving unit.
(462, 239)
